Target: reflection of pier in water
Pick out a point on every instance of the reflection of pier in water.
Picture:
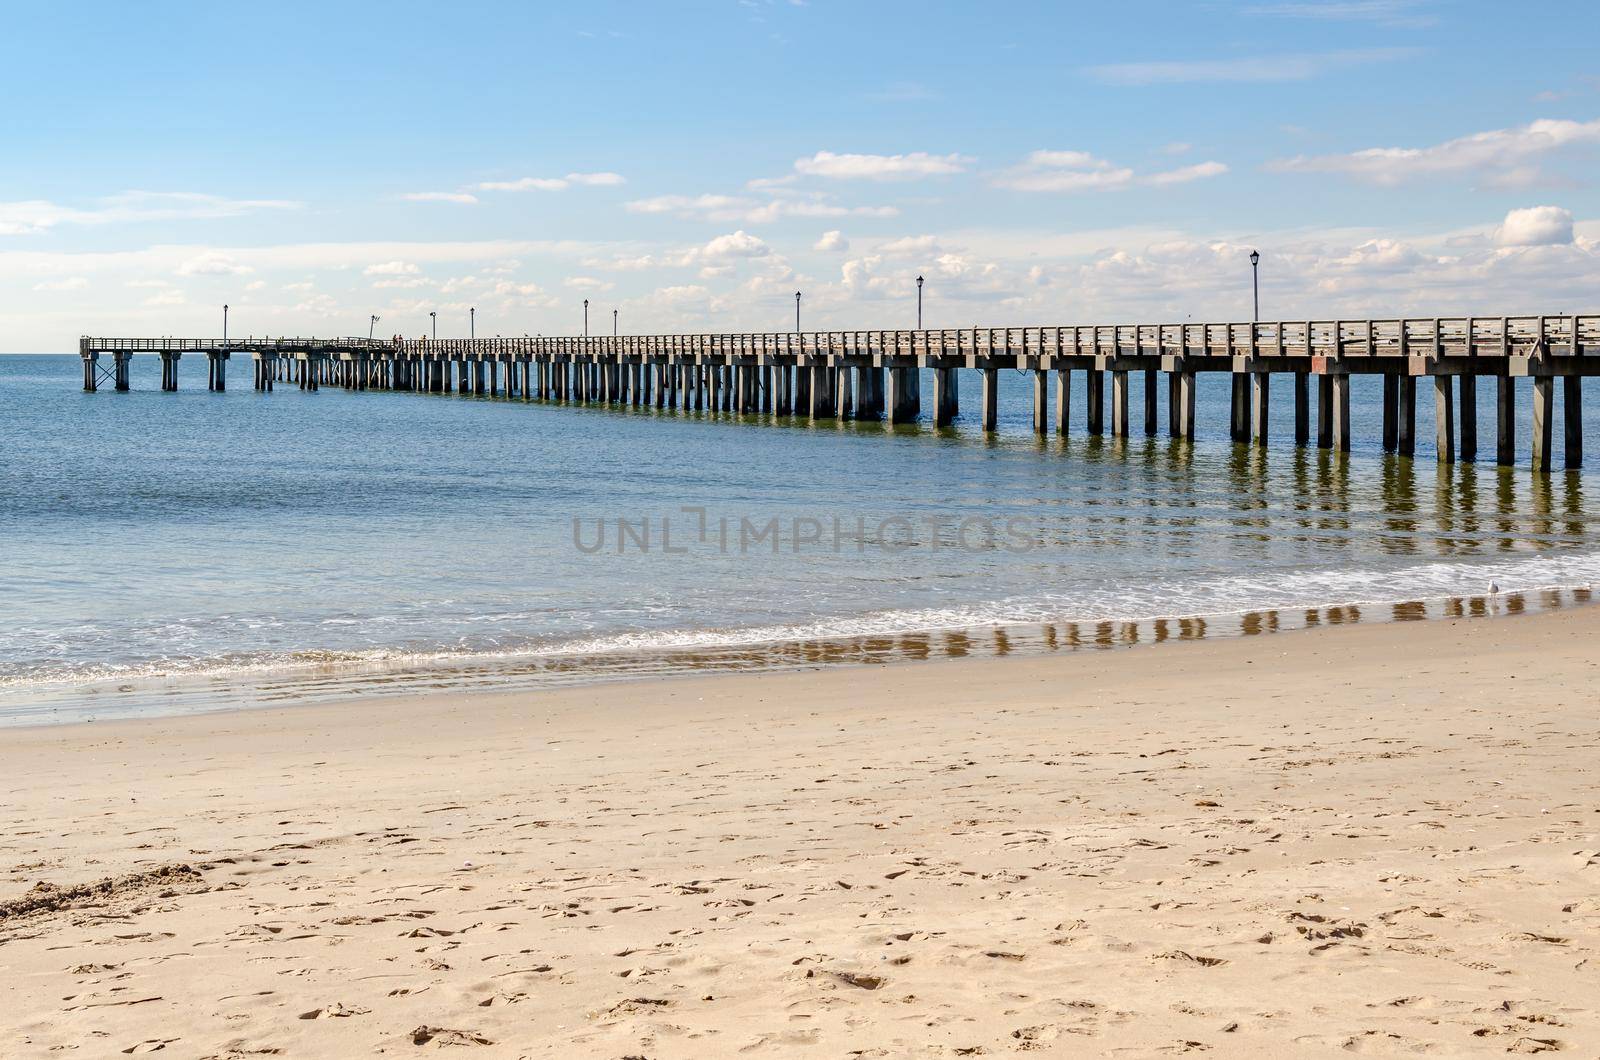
(335, 681)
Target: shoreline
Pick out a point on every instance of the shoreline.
(474, 673)
(1346, 840)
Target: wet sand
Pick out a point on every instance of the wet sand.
(1376, 839)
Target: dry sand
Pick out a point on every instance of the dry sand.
(1375, 839)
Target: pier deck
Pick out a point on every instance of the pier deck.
(877, 374)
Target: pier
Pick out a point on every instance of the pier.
(877, 375)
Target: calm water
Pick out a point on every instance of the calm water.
(177, 552)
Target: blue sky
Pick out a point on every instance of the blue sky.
(694, 164)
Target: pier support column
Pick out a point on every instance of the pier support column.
(91, 372)
(1505, 419)
(1119, 404)
(120, 371)
(1572, 420)
(847, 393)
(902, 406)
(991, 399)
(1468, 413)
(1444, 419)
(944, 387)
(1302, 409)
(1239, 408)
(169, 370)
(1391, 411)
(1543, 417)
(1324, 412)
(1063, 401)
(217, 371)
(1405, 433)
(1260, 395)
(1041, 401)
(1094, 400)
(1151, 381)
(1341, 413)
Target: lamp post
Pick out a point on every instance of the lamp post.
(797, 311)
(1255, 285)
(472, 323)
(224, 325)
(585, 318)
(613, 323)
(372, 326)
(433, 318)
(919, 303)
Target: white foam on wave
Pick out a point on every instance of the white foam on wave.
(1171, 599)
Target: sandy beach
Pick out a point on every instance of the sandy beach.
(1376, 839)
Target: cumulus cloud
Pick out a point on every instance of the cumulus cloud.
(1073, 171)
(725, 208)
(1245, 68)
(1504, 157)
(213, 263)
(832, 241)
(589, 180)
(33, 216)
(880, 167)
(1536, 226)
(391, 268)
(462, 197)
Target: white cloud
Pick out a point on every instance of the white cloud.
(463, 197)
(391, 268)
(70, 283)
(213, 263)
(880, 167)
(1505, 157)
(1400, 14)
(1536, 226)
(169, 297)
(590, 180)
(832, 241)
(1287, 67)
(726, 208)
(33, 216)
(588, 283)
(740, 244)
(1072, 171)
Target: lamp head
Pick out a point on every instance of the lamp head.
(1255, 256)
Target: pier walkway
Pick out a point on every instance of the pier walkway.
(877, 374)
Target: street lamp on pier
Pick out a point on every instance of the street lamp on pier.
(585, 318)
(433, 319)
(797, 311)
(1255, 285)
(224, 325)
(372, 325)
(919, 303)
(472, 323)
(613, 323)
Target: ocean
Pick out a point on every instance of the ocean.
(167, 553)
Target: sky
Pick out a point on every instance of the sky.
(689, 166)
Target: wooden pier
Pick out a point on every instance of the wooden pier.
(877, 374)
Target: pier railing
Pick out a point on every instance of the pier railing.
(1453, 336)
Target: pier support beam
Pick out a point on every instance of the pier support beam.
(1239, 408)
(169, 370)
(1094, 400)
(1505, 420)
(1572, 420)
(944, 392)
(1405, 439)
(1151, 381)
(119, 371)
(1543, 417)
(1260, 393)
(91, 372)
(1041, 401)
(902, 407)
(216, 371)
(1391, 411)
(1063, 401)
(1467, 411)
(991, 399)
(1119, 404)
(1341, 413)
(1444, 420)
(1302, 409)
